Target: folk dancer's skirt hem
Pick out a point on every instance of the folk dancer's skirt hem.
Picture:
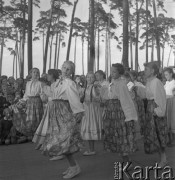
(119, 136)
(91, 127)
(170, 113)
(63, 135)
(42, 129)
(155, 130)
(27, 122)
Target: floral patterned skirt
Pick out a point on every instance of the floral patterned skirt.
(154, 130)
(141, 114)
(63, 134)
(119, 136)
(27, 122)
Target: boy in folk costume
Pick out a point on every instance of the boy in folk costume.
(155, 124)
(34, 109)
(63, 137)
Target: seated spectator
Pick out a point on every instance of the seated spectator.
(5, 126)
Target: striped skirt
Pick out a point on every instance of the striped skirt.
(170, 113)
(41, 131)
(154, 130)
(119, 136)
(91, 127)
(63, 135)
(34, 113)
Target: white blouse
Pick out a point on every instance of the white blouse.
(140, 89)
(169, 86)
(119, 90)
(33, 88)
(66, 89)
(155, 91)
(104, 83)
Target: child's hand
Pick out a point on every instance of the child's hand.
(79, 117)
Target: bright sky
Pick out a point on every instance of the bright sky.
(82, 13)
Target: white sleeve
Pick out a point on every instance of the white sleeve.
(141, 92)
(73, 98)
(159, 98)
(104, 92)
(127, 103)
(25, 97)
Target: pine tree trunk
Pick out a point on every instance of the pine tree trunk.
(98, 50)
(169, 56)
(59, 46)
(137, 37)
(152, 52)
(56, 44)
(23, 40)
(163, 49)
(125, 33)
(14, 57)
(71, 30)
(43, 46)
(92, 42)
(75, 50)
(47, 37)
(19, 57)
(30, 22)
(88, 39)
(156, 32)
(106, 53)
(2, 49)
(163, 52)
(83, 55)
(50, 62)
(131, 53)
(146, 31)
(1, 57)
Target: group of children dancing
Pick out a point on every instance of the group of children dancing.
(60, 117)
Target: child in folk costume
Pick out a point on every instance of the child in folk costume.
(63, 137)
(101, 78)
(119, 116)
(34, 105)
(134, 90)
(5, 127)
(41, 131)
(91, 128)
(170, 113)
(155, 124)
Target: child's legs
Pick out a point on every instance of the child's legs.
(91, 145)
(162, 155)
(71, 160)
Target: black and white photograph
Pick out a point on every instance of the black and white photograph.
(87, 89)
